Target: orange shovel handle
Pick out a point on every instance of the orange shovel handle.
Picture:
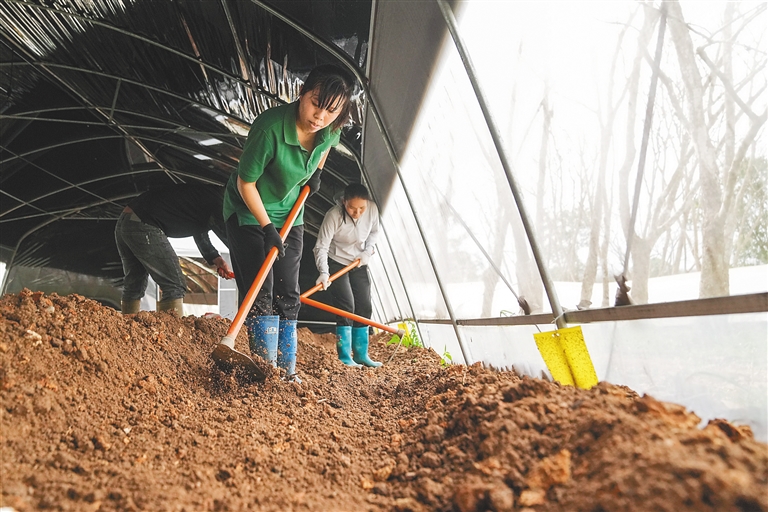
(331, 279)
(250, 297)
(352, 316)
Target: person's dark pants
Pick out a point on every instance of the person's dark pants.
(279, 295)
(351, 292)
(145, 250)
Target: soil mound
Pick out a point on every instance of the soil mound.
(102, 412)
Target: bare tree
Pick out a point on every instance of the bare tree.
(607, 120)
(665, 211)
(720, 178)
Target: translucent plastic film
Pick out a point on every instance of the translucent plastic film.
(717, 366)
(569, 92)
(620, 171)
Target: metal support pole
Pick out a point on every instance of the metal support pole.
(450, 20)
(397, 266)
(646, 134)
(367, 180)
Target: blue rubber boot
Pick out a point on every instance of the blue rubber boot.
(360, 347)
(344, 345)
(262, 336)
(287, 344)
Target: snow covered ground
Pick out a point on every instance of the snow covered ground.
(743, 281)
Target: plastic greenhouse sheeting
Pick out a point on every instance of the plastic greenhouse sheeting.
(557, 78)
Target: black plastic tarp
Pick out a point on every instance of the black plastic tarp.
(105, 99)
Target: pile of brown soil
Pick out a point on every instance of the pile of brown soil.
(105, 412)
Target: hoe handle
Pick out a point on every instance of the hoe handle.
(250, 297)
(357, 318)
(331, 279)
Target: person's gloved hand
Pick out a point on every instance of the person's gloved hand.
(272, 239)
(222, 268)
(314, 182)
(364, 257)
(325, 280)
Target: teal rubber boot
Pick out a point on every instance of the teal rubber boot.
(262, 336)
(287, 344)
(344, 345)
(360, 347)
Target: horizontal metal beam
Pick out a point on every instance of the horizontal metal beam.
(735, 304)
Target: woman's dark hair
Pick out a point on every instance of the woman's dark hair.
(332, 84)
(356, 191)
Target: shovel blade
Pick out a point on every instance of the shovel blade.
(229, 359)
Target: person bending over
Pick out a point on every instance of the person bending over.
(142, 232)
(286, 148)
(349, 232)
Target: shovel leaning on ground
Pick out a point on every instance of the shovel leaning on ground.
(325, 307)
(224, 355)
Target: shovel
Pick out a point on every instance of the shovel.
(225, 356)
(325, 307)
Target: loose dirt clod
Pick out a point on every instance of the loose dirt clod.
(102, 412)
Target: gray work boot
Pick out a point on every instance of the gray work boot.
(172, 305)
(130, 307)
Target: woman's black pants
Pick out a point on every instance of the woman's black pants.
(351, 292)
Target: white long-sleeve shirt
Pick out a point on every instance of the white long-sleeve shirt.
(343, 239)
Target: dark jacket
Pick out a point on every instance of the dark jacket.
(186, 209)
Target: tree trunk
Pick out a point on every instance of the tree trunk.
(714, 268)
(714, 265)
(606, 278)
(491, 278)
(633, 86)
(641, 269)
(535, 287)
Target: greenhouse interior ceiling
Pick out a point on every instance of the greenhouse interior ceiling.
(533, 162)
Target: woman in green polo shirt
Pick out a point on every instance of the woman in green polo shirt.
(286, 148)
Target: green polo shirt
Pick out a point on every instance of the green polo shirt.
(273, 158)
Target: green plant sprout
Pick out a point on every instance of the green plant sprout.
(446, 359)
(411, 337)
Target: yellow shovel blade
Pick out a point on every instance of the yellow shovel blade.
(554, 357)
(577, 355)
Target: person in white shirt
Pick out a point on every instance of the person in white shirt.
(349, 232)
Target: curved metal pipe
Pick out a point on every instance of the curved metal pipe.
(87, 182)
(367, 180)
(141, 38)
(554, 302)
(42, 225)
(174, 127)
(145, 86)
